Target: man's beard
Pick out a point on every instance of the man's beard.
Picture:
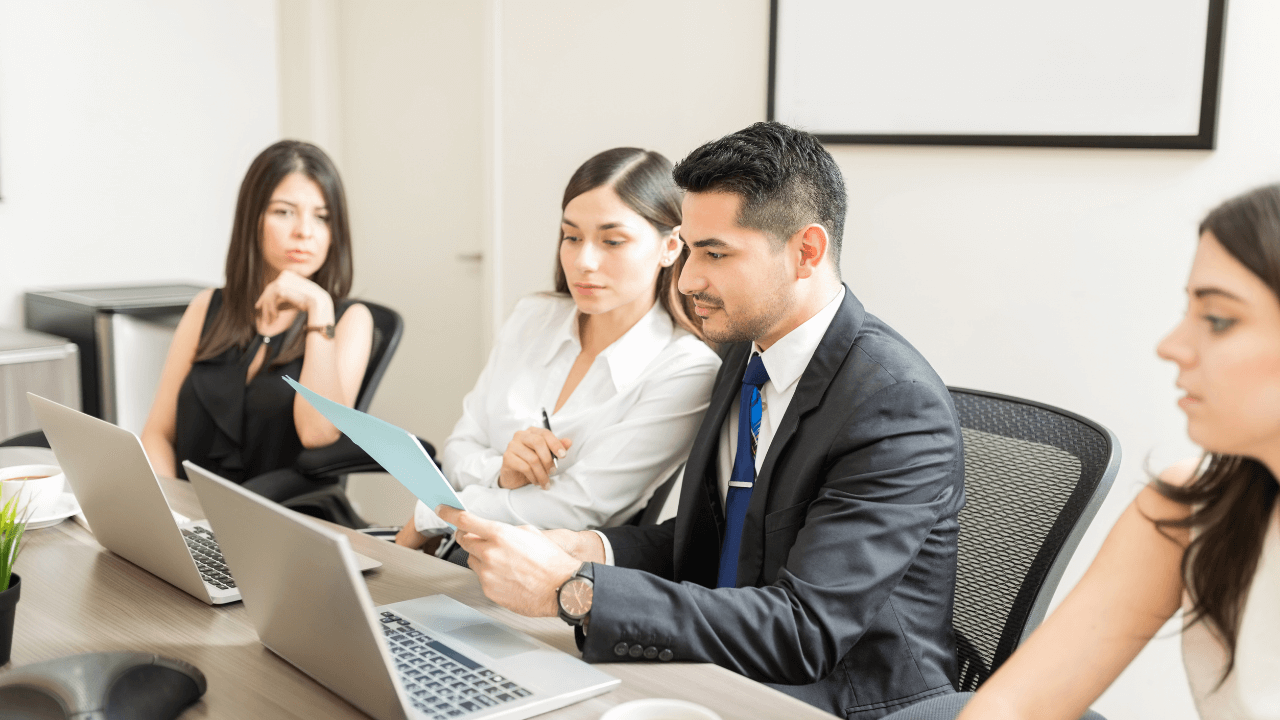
(741, 328)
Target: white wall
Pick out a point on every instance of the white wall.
(125, 128)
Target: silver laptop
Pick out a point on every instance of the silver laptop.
(431, 657)
(126, 510)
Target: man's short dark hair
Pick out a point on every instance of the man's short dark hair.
(786, 180)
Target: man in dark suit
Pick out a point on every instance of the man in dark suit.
(815, 543)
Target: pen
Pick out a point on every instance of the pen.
(546, 423)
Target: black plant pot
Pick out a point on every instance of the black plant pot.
(8, 608)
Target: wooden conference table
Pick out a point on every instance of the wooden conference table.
(77, 597)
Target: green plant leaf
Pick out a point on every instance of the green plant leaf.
(13, 525)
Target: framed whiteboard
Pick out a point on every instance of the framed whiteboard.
(1084, 73)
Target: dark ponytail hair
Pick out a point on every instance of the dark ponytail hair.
(236, 324)
(642, 180)
(1232, 497)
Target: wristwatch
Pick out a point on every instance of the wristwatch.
(325, 330)
(574, 596)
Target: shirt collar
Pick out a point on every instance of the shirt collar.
(630, 354)
(567, 332)
(786, 360)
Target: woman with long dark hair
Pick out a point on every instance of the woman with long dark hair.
(1205, 535)
(221, 402)
(612, 358)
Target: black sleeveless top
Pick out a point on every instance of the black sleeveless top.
(236, 430)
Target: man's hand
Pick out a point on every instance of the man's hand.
(530, 457)
(585, 546)
(519, 567)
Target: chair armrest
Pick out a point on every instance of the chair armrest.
(342, 457)
(328, 503)
(338, 458)
(31, 439)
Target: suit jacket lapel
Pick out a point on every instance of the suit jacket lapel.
(700, 520)
(826, 361)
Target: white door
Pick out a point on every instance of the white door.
(393, 91)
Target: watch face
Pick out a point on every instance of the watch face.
(575, 597)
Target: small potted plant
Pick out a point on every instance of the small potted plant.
(12, 525)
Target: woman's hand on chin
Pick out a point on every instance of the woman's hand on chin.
(291, 291)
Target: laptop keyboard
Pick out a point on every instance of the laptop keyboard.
(208, 556)
(441, 681)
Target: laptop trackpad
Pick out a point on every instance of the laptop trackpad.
(492, 640)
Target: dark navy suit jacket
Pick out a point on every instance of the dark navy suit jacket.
(848, 558)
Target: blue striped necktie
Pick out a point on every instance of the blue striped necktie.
(743, 477)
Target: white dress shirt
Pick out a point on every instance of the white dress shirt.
(785, 361)
(632, 418)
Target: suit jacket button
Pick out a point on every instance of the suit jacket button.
(650, 653)
(620, 649)
(666, 655)
(636, 651)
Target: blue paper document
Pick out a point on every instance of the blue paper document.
(396, 450)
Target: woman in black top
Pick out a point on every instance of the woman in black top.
(221, 402)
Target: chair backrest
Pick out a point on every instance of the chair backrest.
(1035, 477)
(651, 512)
(388, 327)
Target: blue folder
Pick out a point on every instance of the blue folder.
(397, 451)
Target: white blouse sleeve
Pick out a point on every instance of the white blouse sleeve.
(620, 463)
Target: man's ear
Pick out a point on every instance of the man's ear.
(811, 244)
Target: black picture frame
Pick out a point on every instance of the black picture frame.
(1203, 140)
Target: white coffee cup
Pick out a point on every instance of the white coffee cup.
(659, 709)
(35, 497)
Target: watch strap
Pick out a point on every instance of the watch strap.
(326, 330)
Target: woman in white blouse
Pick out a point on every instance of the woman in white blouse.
(1205, 535)
(611, 357)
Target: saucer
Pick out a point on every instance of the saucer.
(659, 709)
(63, 508)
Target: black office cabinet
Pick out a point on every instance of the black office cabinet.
(123, 334)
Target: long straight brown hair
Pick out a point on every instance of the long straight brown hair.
(1232, 497)
(236, 324)
(642, 180)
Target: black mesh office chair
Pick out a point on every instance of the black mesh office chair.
(32, 439)
(328, 466)
(1035, 477)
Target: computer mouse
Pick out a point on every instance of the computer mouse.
(100, 686)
